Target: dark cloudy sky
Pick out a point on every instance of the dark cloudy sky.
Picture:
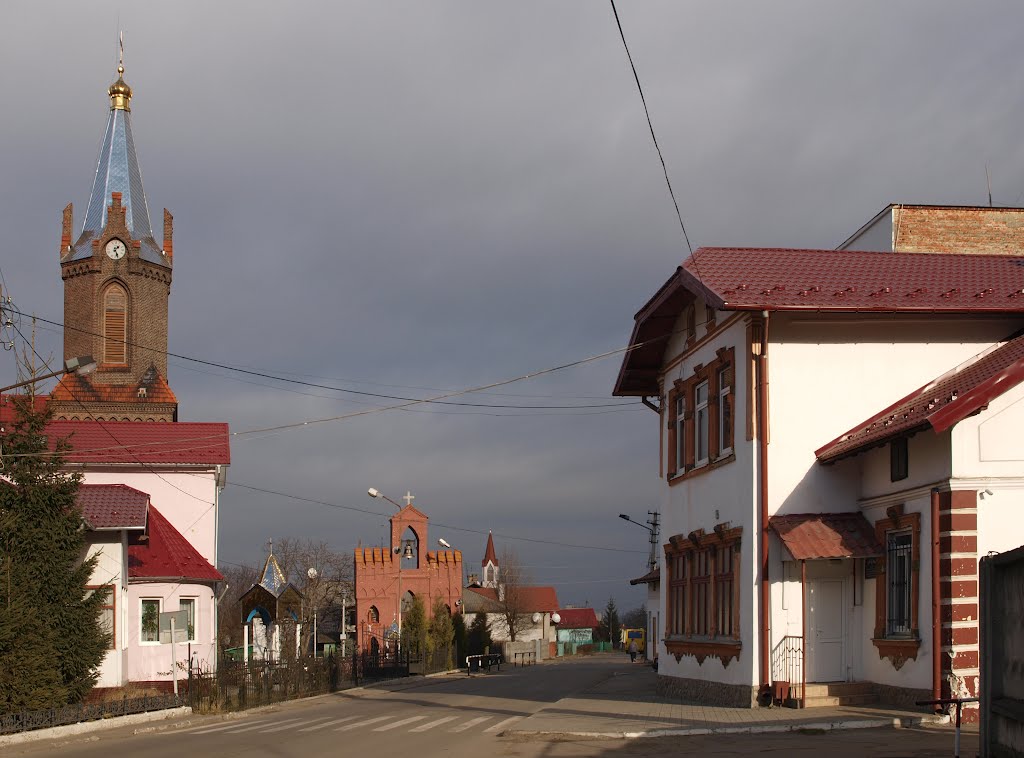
(406, 198)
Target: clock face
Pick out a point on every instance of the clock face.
(116, 249)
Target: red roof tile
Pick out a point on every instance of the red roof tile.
(578, 618)
(143, 442)
(810, 536)
(543, 599)
(74, 388)
(652, 576)
(167, 555)
(113, 506)
(939, 404)
(743, 279)
(850, 280)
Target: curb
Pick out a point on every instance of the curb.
(84, 727)
(899, 722)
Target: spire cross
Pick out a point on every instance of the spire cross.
(409, 497)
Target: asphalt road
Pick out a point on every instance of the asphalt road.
(459, 716)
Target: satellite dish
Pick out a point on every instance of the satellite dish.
(312, 573)
(555, 618)
(536, 618)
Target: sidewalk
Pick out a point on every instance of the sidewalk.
(625, 706)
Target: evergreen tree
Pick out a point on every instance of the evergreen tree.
(51, 640)
(460, 635)
(440, 631)
(610, 621)
(479, 635)
(414, 627)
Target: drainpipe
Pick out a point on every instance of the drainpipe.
(803, 633)
(936, 602)
(762, 439)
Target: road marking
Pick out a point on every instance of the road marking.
(500, 724)
(396, 724)
(260, 726)
(361, 723)
(208, 730)
(327, 724)
(471, 723)
(290, 725)
(432, 724)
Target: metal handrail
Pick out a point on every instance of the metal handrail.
(958, 702)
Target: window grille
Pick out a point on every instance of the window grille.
(898, 572)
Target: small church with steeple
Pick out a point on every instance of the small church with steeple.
(117, 282)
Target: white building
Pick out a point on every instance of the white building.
(756, 360)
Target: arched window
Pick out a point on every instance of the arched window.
(373, 615)
(115, 325)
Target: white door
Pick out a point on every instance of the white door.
(826, 631)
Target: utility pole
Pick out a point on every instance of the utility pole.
(652, 561)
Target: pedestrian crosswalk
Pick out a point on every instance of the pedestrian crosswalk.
(416, 722)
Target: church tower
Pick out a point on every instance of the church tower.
(117, 281)
(490, 565)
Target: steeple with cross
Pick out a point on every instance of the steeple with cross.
(409, 497)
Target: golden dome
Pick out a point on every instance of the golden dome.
(120, 93)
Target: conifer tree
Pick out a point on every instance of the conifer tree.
(51, 641)
(440, 631)
(479, 634)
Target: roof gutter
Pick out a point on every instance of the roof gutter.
(762, 440)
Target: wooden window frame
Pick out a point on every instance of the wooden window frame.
(109, 605)
(694, 563)
(681, 432)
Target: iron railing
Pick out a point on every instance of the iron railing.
(24, 721)
(787, 671)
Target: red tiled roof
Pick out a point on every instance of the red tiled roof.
(743, 279)
(652, 576)
(113, 506)
(74, 388)
(143, 442)
(167, 555)
(543, 599)
(7, 406)
(940, 404)
(578, 618)
(489, 552)
(810, 536)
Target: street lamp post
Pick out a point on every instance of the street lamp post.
(81, 366)
(652, 527)
(398, 550)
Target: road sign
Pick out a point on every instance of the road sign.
(180, 627)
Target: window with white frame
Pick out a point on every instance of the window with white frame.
(680, 432)
(724, 412)
(149, 620)
(188, 604)
(701, 424)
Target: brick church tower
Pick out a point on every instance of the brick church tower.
(117, 281)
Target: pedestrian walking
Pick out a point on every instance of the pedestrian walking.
(632, 651)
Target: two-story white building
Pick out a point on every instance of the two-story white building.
(795, 554)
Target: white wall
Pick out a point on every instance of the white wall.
(110, 555)
(149, 661)
(723, 494)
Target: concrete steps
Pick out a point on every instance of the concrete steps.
(822, 694)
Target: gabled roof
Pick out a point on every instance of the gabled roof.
(543, 599)
(758, 279)
(940, 404)
(113, 506)
(147, 442)
(578, 618)
(652, 576)
(489, 556)
(815, 536)
(151, 388)
(166, 554)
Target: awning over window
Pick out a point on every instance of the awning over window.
(817, 536)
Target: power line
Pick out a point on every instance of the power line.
(264, 375)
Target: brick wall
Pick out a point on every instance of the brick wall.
(997, 231)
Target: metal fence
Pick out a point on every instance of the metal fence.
(24, 721)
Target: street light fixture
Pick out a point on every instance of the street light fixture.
(82, 365)
(652, 529)
(375, 493)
